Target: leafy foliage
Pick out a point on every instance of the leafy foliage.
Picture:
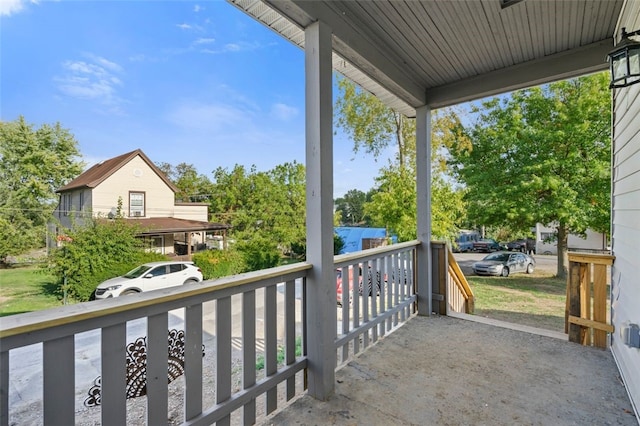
(35, 163)
(219, 263)
(541, 155)
(392, 204)
(266, 209)
(96, 251)
(192, 186)
(351, 207)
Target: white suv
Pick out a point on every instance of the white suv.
(150, 276)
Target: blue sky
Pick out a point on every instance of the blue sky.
(193, 82)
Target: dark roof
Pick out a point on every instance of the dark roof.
(95, 175)
(170, 225)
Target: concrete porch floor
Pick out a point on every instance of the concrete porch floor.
(450, 371)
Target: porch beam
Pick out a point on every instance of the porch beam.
(321, 300)
(423, 188)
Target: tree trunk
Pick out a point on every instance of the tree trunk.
(563, 255)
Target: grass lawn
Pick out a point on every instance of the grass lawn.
(26, 289)
(537, 300)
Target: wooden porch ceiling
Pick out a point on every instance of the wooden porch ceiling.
(444, 52)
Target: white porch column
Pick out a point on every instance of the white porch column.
(423, 177)
(321, 282)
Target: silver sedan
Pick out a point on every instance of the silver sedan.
(504, 263)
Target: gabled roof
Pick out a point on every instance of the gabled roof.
(101, 171)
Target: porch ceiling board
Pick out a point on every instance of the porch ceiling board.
(439, 53)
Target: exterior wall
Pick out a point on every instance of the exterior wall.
(193, 211)
(625, 284)
(594, 241)
(134, 176)
(73, 206)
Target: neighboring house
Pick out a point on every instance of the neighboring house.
(546, 241)
(132, 185)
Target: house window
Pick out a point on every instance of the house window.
(136, 204)
(66, 204)
(81, 204)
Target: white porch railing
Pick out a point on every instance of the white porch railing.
(225, 312)
(378, 295)
(55, 332)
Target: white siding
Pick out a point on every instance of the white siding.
(625, 285)
(135, 176)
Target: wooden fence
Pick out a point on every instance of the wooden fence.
(586, 316)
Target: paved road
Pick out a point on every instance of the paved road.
(544, 263)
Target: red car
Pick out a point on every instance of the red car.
(339, 281)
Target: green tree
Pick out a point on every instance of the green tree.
(374, 127)
(351, 207)
(541, 155)
(192, 186)
(34, 163)
(94, 252)
(266, 209)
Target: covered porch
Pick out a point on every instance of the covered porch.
(456, 370)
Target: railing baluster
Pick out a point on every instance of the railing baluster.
(193, 361)
(383, 292)
(392, 279)
(114, 374)
(403, 283)
(290, 332)
(157, 366)
(398, 282)
(249, 352)
(58, 364)
(375, 289)
(4, 388)
(271, 343)
(356, 305)
(223, 352)
(367, 280)
(346, 295)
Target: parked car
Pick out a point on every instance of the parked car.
(150, 276)
(522, 245)
(340, 280)
(504, 263)
(486, 245)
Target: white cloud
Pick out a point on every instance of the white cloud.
(9, 7)
(184, 26)
(210, 117)
(197, 8)
(95, 79)
(233, 47)
(205, 41)
(283, 112)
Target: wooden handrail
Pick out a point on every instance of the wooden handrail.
(461, 282)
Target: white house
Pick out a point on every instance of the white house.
(546, 241)
(130, 185)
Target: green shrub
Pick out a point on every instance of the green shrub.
(219, 263)
(94, 252)
(259, 253)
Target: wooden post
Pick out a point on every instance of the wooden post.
(600, 304)
(574, 301)
(439, 277)
(321, 281)
(423, 188)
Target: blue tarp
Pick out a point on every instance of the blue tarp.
(352, 236)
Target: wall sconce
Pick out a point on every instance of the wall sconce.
(624, 61)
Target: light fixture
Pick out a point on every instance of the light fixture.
(624, 61)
